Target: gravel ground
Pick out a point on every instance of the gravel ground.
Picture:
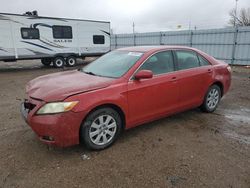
(190, 149)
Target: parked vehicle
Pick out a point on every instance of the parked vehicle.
(53, 40)
(120, 90)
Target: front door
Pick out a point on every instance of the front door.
(151, 98)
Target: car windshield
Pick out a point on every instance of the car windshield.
(113, 64)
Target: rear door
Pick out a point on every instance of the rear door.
(149, 98)
(192, 78)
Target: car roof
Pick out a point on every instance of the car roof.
(153, 48)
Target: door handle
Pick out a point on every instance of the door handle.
(209, 70)
(173, 78)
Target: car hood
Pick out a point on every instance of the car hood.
(58, 86)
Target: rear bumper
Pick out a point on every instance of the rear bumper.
(60, 130)
(227, 82)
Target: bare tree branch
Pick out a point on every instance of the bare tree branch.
(243, 19)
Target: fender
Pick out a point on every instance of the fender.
(101, 97)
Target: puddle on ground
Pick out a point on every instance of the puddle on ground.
(241, 115)
(238, 117)
(239, 137)
(239, 120)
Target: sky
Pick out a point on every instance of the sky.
(148, 15)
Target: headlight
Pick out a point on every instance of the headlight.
(56, 107)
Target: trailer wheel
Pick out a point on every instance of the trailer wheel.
(46, 61)
(58, 62)
(71, 61)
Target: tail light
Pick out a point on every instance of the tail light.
(229, 69)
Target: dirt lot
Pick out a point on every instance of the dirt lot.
(190, 149)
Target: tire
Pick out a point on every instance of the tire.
(71, 61)
(46, 61)
(93, 132)
(59, 62)
(212, 99)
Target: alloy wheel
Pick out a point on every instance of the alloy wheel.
(102, 129)
(212, 98)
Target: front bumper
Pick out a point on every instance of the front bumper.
(24, 112)
(60, 130)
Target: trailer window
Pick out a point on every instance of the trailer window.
(62, 32)
(30, 33)
(98, 39)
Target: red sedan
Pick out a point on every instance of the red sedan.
(120, 90)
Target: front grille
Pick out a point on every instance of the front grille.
(28, 105)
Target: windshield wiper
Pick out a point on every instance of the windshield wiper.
(91, 73)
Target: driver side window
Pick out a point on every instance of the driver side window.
(159, 63)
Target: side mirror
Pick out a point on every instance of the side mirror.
(143, 74)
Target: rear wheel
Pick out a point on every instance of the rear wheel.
(58, 62)
(71, 61)
(211, 99)
(101, 128)
(46, 61)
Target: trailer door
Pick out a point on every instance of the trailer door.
(7, 50)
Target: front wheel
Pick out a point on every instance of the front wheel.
(211, 99)
(101, 128)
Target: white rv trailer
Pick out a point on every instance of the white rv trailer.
(57, 40)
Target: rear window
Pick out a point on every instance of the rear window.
(203, 61)
(187, 60)
(30, 33)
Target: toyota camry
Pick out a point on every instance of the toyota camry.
(120, 90)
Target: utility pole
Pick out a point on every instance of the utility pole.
(235, 16)
(189, 25)
(134, 33)
(133, 27)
